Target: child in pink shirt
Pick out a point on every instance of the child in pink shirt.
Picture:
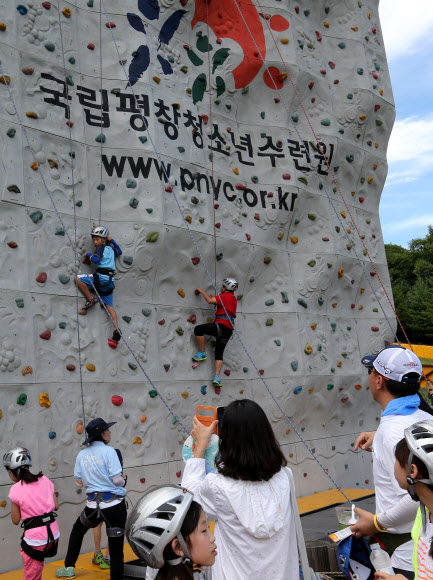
(33, 501)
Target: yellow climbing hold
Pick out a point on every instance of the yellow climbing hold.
(360, 307)
(348, 230)
(294, 239)
(353, 193)
(308, 348)
(280, 235)
(339, 363)
(3, 503)
(362, 290)
(1, 413)
(67, 12)
(284, 41)
(341, 272)
(314, 325)
(181, 292)
(370, 180)
(176, 106)
(34, 166)
(143, 418)
(326, 24)
(241, 391)
(284, 75)
(362, 117)
(290, 454)
(185, 394)
(2, 26)
(235, 170)
(376, 145)
(375, 166)
(287, 432)
(157, 80)
(44, 400)
(32, 115)
(90, 367)
(311, 390)
(188, 219)
(5, 79)
(343, 214)
(358, 387)
(355, 28)
(137, 441)
(368, 15)
(381, 92)
(334, 304)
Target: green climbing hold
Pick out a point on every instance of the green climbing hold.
(312, 216)
(312, 263)
(79, 203)
(294, 365)
(350, 157)
(100, 187)
(375, 309)
(267, 260)
(379, 123)
(62, 325)
(146, 312)
(36, 216)
(219, 256)
(115, 91)
(239, 297)
(341, 131)
(59, 231)
(245, 90)
(306, 12)
(22, 399)
(303, 180)
(153, 394)
(179, 331)
(326, 9)
(127, 319)
(131, 183)
(174, 420)
(377, 66)
(149, 210)
(70, 81)
(127, 260)
(11, 133)
(360, 71)
(90, 3)
(100, 138)
(349, 96)
(269, 302)
(269, 322)
(334, 326)
(302, 303)
(368, 221)
(254, 179)
(263, 114)
(133, 202)
(344, 354)
(152, 237)
(143, 138)
(301, 44)
(332, 369)
(325, 122)
(245, 369)
(329, 386)
(362, 179)
(342, 45)
(284, 297)
(184, 69)
(244, 214)
(132, 366)
(295, 118)
(359, 3)
(181, 149)
(64, 279)
(50, 46)
(188, 91)
(321, 300)
(297, 221)
(19, 302)
(277, 341)
(71, 60)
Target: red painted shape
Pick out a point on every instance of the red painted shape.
(192, 319)
(273, 78)
(231, 25)
(279, 23)
(46, 335)
(117, 400)
(195, 261)
(41, 278)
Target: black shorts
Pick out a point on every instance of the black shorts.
(221, 332)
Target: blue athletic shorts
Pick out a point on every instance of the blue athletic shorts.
(108, 300)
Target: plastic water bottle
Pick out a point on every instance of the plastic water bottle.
(381, 559)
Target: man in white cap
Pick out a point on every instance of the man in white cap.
(394, 376)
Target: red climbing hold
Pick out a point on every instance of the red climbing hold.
(352, 306)
(318, 36)
(195, 261)
(286, 176)
(142, 480)
(325, 239)
(270, 194)
(313, 100)
(161, 322)
(376, 107)
(110, 25)
(227, 372)
(178, 473)
(331, 64)
(183, 2)
(361, 199)
(46, 5)
(311, 85)
(216, 205)
(112, 343)
(70, 124)
(305, 474)
(261, 371)
(257, 216)
(369, 143)
(248, 236)
(196, 292)
(117, 400)
(276, 100)
(46, 335)
(217, 390)
(70, 367)
(373, 236)
(91, 46)
(229, 129)
(297, 9)
(219, 41)
(336, 82)
(344, 399)
(195, 364)
(323, 71)
(169, 188)
(372, 273)
(375, 328)
(375, 76)
(240, 186)
(13, 245)
(41, 278)
(192, 319)
(218, 225)
(186, 46)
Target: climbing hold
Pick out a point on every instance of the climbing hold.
(320, 300)
(303, 180)
(161, 322)
(22, 399)
(44, 400)
(52, 435)
(280, 236)
(312, 216)
(312, 263)
(2, 26)
(308, 348)
(63, 278)
(70, 367)
(297, 390)
(13, 245)
(46, 335)
(90, 367)
(22, 9)
(325, 122)
(269, 322)
(341, 272)
(269, 302)
(66, 12)
(5, 79)
(192, 319)
(27, 371)
(277, 342)
(143, 418)
(152, 237)
(117, 400)
(375, 328)
(79, 428)
(133, 202)
(179, 331)
(132, 365)
(36, 216)
(267, 260)
(128, 260)
(302, 303)
(284, 297)
(181, 292)
(294, 239)
(245, 369)
(91, 46)
(153, 393)
(110, 25)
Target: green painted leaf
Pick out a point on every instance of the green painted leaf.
(198, 88)
(202, 44)
(219, 58)
(196, 60)
(221, 86)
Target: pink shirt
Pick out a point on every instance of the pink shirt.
(35, 499)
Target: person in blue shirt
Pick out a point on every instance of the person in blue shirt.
(99, 472)
(106, 250)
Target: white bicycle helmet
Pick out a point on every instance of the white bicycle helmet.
(100, 231)
(18, 457)
(156, 519)
(231, 284)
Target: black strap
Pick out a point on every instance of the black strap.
(39, 521)
(97, 281)
(51, 545)
(106, 272)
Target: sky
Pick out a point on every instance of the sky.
(406, 207)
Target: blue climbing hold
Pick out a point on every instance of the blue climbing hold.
(297, 390)
(52, 434)
(22, 9)
(203, 389)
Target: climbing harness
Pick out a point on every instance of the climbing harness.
(52, 544)
(97, 281)
(98, 497)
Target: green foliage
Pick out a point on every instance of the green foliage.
(411, 273)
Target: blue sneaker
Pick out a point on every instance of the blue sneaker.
(65, 572)
(217, 382)
(201, 355)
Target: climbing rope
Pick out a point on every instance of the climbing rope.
(211, 281)
(78, 257)
(71, 156)
(101, 138)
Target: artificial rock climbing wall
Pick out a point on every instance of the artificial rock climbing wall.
(227, 149)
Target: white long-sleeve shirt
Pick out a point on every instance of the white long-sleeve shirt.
(254, 524)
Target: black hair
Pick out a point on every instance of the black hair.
(248, 449)
(398, 389)
(182, 571)
(23, 474)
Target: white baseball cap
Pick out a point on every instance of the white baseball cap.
(395, 362)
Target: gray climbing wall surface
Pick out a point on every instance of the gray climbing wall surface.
(307, 312)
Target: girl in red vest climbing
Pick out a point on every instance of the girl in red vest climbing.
(221, 328)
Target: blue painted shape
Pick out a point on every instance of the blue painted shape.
(136, 22)
(149, 9)
(170, 26)
(297, 390)
(166, 66)
(139, 64)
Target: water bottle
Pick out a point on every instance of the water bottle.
(380, 559)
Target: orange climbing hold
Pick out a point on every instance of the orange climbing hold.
(137, 441)
(34, 166)
(185, 394)
(27, 371)
(341, 272)
(181, 292)
(79, 428)
(294, 239)
(143, 418)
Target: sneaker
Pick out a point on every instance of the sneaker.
(201, 355)
(68, 572)
(217, 382)
(116, 336)
(97, 558)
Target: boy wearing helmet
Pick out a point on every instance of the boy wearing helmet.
(394, 376)
(221, 328)
(106, 250)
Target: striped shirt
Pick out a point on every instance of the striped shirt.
(425, 562)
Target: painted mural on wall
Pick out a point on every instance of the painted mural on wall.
(205, 122)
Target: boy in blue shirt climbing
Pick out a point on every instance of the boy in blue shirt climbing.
(106, 250)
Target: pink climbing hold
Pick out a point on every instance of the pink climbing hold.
(375, 328)
(240, 187)
(217, 390)
(195, 364)
(41, 278)
(91, 46)
(344, 399)
(46, 335)
(227, 372)
(192, 319)
(375, 76)
(112, 343)
(323, 71)
(325, 239)
(248, 236)
(117, 400)
(286, 176)
(229, 129)
(318, 36)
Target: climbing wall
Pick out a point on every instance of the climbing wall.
(205, 144)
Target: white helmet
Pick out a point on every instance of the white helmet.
(231, 284)
(100, 231)
(156, 519)
(18, 457)
(419, 439)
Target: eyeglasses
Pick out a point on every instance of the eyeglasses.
(370, 370)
